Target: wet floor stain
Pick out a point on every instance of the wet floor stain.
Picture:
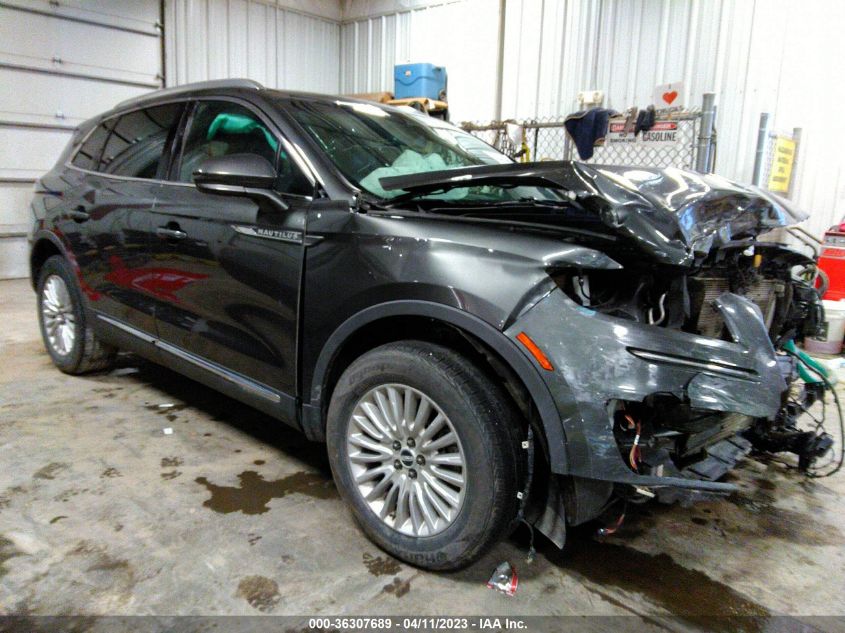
(110, 473)
(254, 492)
(381, 565)
(173, 474)
(108, 564)
(67, 495)
(621, 604)
(104, 573)
(766, 484)
(760, 517)
(171, 462)
(10, 493)
(253, 538)
(165, 408)
(684, 592)
(816, 489)
(7, 551)
(259, 462)
(50, 471)
(398, 587)
(57, 519)
(261, 593)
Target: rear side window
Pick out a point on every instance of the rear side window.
(88, 155)
(136, 145)
(220, 128)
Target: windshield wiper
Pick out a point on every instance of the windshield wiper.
(570, 197)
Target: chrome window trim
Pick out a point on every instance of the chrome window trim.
(294, 151)
(130, 178)
(109, 118)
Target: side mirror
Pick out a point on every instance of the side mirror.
(234, 174)
(247, 175)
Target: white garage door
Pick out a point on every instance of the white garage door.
(61, 63)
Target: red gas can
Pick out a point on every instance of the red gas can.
(832, 262)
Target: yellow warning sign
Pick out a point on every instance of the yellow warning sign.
(780, 171)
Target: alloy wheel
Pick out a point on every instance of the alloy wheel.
(57, 315)
(406, 460)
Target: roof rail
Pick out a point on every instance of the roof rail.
(199, 85)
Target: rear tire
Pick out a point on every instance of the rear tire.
(379, 440)
(67, 335)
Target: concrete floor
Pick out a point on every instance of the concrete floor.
(101, 512)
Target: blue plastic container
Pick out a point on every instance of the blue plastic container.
(419, 80)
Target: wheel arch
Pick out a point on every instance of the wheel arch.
(410, 319)
(45, 244)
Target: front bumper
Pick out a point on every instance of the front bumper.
(598, 359)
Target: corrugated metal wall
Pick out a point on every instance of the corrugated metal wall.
(79, 57)
(61, 63)
(460, 35)
(275, 45)
(758, 55)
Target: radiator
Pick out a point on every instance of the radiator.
(764, 293)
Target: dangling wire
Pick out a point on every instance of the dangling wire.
(815, 473)
(614, 527)
(634, 454)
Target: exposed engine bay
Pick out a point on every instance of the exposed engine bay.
(684, 299)
(663, 435)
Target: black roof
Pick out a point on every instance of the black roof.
(219, 85)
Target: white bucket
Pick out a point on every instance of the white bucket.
(830, 339)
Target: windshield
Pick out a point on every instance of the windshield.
(368, 142)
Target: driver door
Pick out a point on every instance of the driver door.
(228, 290)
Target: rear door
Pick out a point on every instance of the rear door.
(122, 161)
(232, 297)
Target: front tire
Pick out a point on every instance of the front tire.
(68, 338)
(423, 448)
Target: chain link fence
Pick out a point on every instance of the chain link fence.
(679, 138)
(535, 139)
(671, 142)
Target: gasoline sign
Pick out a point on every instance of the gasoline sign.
(780, 170)
(661, 134)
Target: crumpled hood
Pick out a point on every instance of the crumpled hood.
(675, 214)
(672, 215)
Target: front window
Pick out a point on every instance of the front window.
(367, 142)
(223, 128)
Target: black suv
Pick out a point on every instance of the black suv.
(479, 342)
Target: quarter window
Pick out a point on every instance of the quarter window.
(88, 155)
(136, 145)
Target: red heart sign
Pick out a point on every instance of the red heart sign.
(669, 97)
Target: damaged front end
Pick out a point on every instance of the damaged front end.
(671, 368)
(666, 362)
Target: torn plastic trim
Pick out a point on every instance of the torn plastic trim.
(652, 481)
(715, 367)
(593, 365)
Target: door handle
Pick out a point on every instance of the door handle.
(170, 234)
(79, 214)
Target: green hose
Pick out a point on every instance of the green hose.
(806, 359)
